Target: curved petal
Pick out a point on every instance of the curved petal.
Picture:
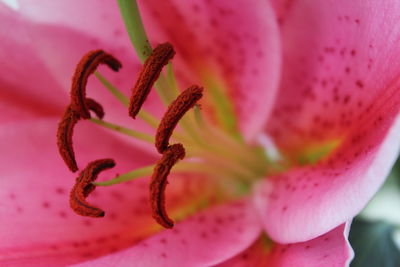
(204, 239)
(61, 48)
(338, 58)
(331, 249)
(59, 39)
(37, 224)
(28, 89)
(38, 227)
(282, 8)
(309, 201)
(97, 18)
(233, 45)
(229, 45)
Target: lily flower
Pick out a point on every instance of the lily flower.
(297, 129)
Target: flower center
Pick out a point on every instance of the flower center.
(201, 145)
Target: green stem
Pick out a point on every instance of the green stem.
(117, 93)
(148, 170)
(198, 116)
(145, 116)
(134, 26)
(148, 118)
(145, 171)
(135, 134)
(224, 109)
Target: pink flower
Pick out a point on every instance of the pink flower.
(322, 84)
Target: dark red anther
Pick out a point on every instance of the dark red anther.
(95, 107)
(87, 66)
(83, 187)
(66, 129)
(150, 72)
(159, 182)
(186, 100)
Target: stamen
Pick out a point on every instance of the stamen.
(149, 74)
(83, 187)
(66, 129)
(186, 100)
(95, 107)
(85, 68)
(64, 138)
(159, 181)
(123, 130)
(145, 116)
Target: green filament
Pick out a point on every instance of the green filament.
(135, 134)
(141, 172)
(117, 93)
(134, 26)
(137, 34)
(145, 116)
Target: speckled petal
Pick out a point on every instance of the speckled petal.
(331, 249)
(39, 228)
(204, 239)
(233, 45)
(340, 85)
(308, 201)
(339, 58)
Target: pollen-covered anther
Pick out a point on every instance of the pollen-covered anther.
(95, 107)
(87, 66)
(159, 182)
(83, 187)
(176, 110)
(66, 129)
(150, 72)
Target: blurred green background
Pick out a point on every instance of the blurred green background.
(375, 233)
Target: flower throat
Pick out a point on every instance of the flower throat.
(211, 151)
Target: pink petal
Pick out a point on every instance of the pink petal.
(338, 58)
(359, 109)
(202, 240)
(309, 201)
(282, 8)
(235, 42)
(39, 228)
(60, 41)
(61, 49)
(331, 249)
(27, 88)
(98, 18)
